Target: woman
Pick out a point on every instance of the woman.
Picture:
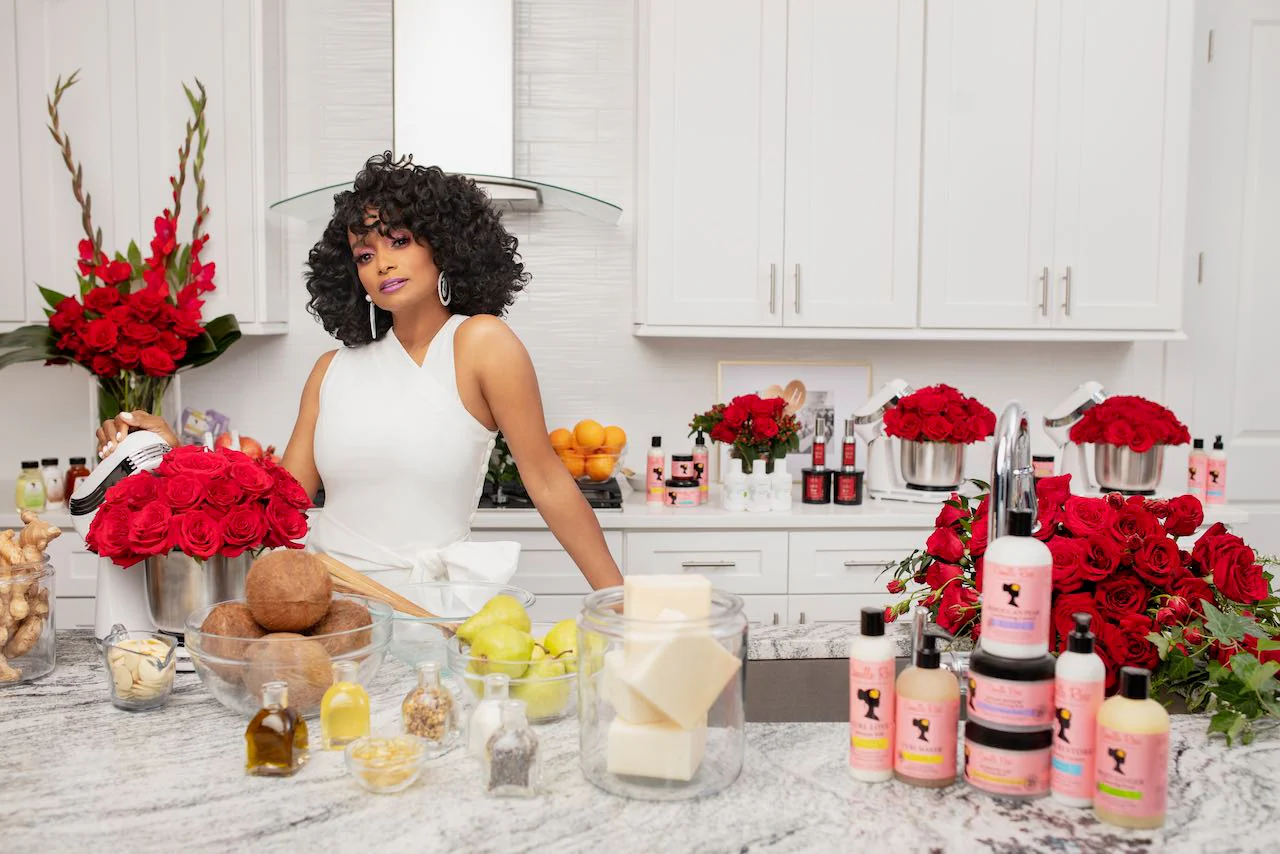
(411, 275)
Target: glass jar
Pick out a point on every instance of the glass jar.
(139, 668)
(26, 600)
(429, 711)
(512, 767)
(28, 491)
(661, 715)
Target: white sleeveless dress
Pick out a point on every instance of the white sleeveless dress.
(403, 464)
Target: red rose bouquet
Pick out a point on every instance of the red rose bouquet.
(1133, 422)
(1205, 621)
(939, 413)
(134, 322)
(201, 503)
(754, 426)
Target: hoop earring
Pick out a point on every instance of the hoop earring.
(443, 289)
(373, 318)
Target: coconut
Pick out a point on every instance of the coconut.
(225, 622)
(288, 590)
(300, 662)
(344, 615)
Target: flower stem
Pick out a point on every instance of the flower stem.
(77, 179)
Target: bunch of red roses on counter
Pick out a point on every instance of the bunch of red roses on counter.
(202, 503)
(1130, 421)
(755, 427)
(940, 413)
(1205, 621)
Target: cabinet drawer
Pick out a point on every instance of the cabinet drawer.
(545, 567)
(765, 610)
(807, 610)
(740, 562)
(847, 561)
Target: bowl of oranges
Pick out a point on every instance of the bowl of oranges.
(590, 451)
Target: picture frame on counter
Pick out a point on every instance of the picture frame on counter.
(819, 392)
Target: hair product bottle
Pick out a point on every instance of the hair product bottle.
(1216, 468)
(655, 473)
(1133, 755)
(1017, 583)
(1080, 683)
(700, 459)
(871, 700)
(1198, 471)
(927, 721)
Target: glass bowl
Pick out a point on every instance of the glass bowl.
(386, 764)
(548, 698)
(418, 639)
(234, 670)
(139, 668)
(594, 466)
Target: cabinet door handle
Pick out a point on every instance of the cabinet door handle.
(1044, 292)
(1066, 291)
(864, 564)
(775, 618)
(797, 288)
(773, 288)
(723, 564)
(802, 618)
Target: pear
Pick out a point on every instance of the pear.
(544, 693)
(501, 649)
(539, 651)
(500, 610)
(562, 643)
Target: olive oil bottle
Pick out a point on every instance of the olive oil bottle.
(276, 738)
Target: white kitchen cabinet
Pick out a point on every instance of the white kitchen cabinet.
(12, 296)
(765, 610)
(553, 609)
(737, 561)
(1055, 164)
(854, 78)
(713, 109)
(806, 610)
(73, 612)
(846, 561)
(545, 567)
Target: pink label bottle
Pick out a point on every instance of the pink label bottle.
(655, 473)
(1017, 583)
(926, 726)
(1198, 471)
(1132, 763)
(1079, 688)
(700, 460)
(871, 700)
(1216, 469)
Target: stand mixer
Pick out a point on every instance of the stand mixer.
(1072, 458)
(884, 471)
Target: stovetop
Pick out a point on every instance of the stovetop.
(600, 496)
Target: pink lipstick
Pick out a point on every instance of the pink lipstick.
(390, 286)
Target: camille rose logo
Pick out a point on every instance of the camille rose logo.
(1117, 755)
(966, 761)
(871, 697)
(1013, 590)
(921, 724)
(1064, 724)
(973, 693)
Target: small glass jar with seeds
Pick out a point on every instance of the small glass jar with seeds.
(512, 767)
(429, 711)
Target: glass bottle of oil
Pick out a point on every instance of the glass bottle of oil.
(276, 739)
(344, 711)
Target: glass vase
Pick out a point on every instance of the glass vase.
(127, 392)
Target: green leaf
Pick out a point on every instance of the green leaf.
(25, 354)
(219, 334)
(28, 336)
(1228, 722)
(1181, 666)
(1161, 643)
(1255, 674)
(135, 254)
(85, 285)
(1267, 644)
(52, 297)
(1226, 627)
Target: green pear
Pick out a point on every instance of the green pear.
(501, 649)
(562, 643)
(539, 651)
(500, 610)
(544, 693)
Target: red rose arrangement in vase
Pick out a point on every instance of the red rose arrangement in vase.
(940, 413)
(135, 321)
(1205, 621)
(1129, 421)
(202, 503)
(753, 427)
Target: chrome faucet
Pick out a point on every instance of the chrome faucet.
(1013, 485)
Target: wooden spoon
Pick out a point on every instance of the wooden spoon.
(348, 580)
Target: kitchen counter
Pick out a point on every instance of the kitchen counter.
(80, 775)
(814, 640)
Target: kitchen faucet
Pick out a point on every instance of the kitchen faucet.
(1013, 485)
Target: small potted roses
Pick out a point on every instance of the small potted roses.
(1129, 435)
(933, 425)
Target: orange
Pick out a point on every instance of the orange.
(588, 434)
(615, 438)
(561, 439)
(600, 467)
(575, 463)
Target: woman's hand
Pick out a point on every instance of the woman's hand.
(115, 429)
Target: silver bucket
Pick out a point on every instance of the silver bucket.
(932, 466)
(178, 584)
(1122, 469)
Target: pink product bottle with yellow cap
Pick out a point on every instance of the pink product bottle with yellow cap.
(655, 475)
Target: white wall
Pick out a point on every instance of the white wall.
(575, 116)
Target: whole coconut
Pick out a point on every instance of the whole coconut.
(300, 662)
(288, 590)
(225, 622)
(344, 615)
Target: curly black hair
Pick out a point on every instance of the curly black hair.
(448, 212)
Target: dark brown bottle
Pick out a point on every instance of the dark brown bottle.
(276, 738)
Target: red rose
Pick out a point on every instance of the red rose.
(764, 429)
(100, 335)
(937, 428)
(109, 536)
(135, 491)
(1068, 563)
(144, 306)
(955, 412)
(978, 428)
(172, 344)
(1065, 607)
(1181, 610)
(1186, 514)
(128, 355)
(1087, 517)
(1101, 557)
(763, 407)
(950, 516)
(1192, 589)
(929, 401)
(224, 493)
(1134, 520)
(101, 300)
(724, 434)
(157, 363)
(286, 525)
(1204, 552)
(1048, 518)
(182, 492)
(67, 314)
(959, 606)
(140, 333)
(195, 460)
(890, 614)
(939, 575)
(1126, 640)
(1122, 593)
(1165, 617)
(978, 538)
(1157, 561)
(116, 272)
(243, 528)
(1143, 440)
(149, 529)
(198, 534)
(911, 425)
(1117, 433)
(1192, 635)
(186, 323)
(735, 414)
(252, 478)
(896, 586)
(977, 573)
(1239, 576)
(945, 545)
(104, 366)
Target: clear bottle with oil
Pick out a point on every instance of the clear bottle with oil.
(344, 710)
(276, 738)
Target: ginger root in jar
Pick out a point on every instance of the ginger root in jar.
(24, 639)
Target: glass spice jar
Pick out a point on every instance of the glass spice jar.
(512, 767)
(428, 710)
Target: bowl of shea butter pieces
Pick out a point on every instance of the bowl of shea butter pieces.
(140, 668)
(386, 764)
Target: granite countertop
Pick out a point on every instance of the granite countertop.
(80, 775)
(766, 642)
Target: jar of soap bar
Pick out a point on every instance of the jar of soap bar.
(660, 687)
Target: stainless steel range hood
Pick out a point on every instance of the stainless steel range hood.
(453, 105)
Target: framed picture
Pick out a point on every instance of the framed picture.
(820, 394)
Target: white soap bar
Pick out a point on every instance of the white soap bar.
(625, 701)
(683, 675)
(649, 597)
(660, 750)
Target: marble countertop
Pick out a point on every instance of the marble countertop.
(80, 775)
(767, 642)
